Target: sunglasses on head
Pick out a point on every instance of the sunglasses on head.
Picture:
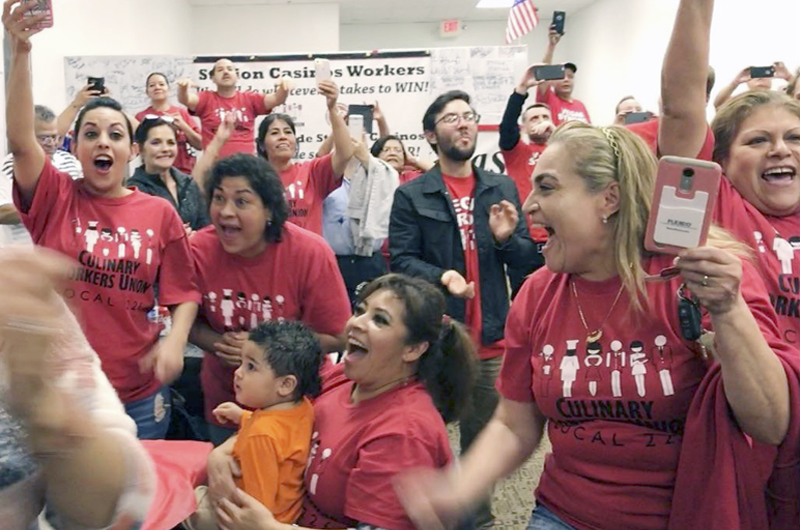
(152, 117)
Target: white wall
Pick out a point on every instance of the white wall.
(356, 37)
(619, 46)
(105, 27)
(264, 29)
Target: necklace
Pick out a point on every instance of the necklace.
(597, 334)
(402, 381)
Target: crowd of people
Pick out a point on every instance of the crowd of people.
(350, 306)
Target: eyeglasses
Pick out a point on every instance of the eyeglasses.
(152, 117)
(45, 138)
(452, 119)
(391, 149)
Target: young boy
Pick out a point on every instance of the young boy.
(279, 372)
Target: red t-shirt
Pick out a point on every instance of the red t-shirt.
(184, 161)
(357, 450)
(307, 184)
(123, 246)
(212, 108)
(617, 408)
(520, 163)
(408, 175)
(776, 245)
(648, 131)
(563, 110)
(462, 192)
(296, 279)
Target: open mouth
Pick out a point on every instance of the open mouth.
(228, 233)
(780, 175)
(354, 347)
(103, 163)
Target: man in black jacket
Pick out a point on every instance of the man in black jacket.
(458, 227)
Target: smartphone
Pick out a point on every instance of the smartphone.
(637, 117)
(683, 204)
(559, 18)
(98, 83)
(46, 7)
(548, 72)
(365, 111)
(355, 124)
(762, 71)
(322, 68)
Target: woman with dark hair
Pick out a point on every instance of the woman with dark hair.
(390, 149)
(306, 183)
(188, 132)
(407, 370)
(252, 266)
(158, 175)
(124, 240)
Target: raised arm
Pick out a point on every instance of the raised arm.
(67, 117)
(343, 147)
(278, 97)
(727, 91)
(380, 117)
(553, 38)
(187, 99)
(212, 150)
(29, 157)
(683, 125)
(509, 126)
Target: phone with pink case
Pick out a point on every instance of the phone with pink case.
(683, 203)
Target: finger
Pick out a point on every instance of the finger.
(471, 290)
(494, 210)
(236, 468)
(227, 348)
(223, 512)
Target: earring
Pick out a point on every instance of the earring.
(605, 219)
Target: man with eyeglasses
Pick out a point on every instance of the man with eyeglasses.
(46, 127)
(458, 226)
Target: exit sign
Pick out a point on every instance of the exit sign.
(450, 28)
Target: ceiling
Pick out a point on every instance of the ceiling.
(397, 11)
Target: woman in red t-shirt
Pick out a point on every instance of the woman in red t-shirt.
(188, 131)
(306, 183)
(595, 352)
(251, 267)
(758, 146)
(127, 244)
(406, 371)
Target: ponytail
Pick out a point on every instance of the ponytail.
(448, 369)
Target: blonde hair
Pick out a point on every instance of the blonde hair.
(603, 155)
(732, 114)
(613, 154)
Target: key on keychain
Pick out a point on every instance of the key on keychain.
(689, 316)
(691, 320)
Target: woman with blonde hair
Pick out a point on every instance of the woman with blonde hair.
(629, 396)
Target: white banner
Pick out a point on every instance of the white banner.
(400, 85)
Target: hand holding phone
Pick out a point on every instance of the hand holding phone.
(559, 19)
(322, 70)
(97, 84)
(548, 72)
(762, 71)
(685, 195)
(42, 7)
(355, 125)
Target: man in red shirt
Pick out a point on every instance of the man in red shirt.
(212, 106)
(458, 227)
(558, 93)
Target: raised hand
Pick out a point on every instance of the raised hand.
(503, 220)
(20, 24)
(457, 285)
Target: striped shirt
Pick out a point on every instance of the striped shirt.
(17, 233)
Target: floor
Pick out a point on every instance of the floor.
(513, 497)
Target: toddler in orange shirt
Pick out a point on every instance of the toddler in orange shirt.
(279, 372)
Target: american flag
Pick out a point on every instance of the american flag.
(521, 20)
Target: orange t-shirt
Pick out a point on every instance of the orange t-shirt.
(272, 449)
